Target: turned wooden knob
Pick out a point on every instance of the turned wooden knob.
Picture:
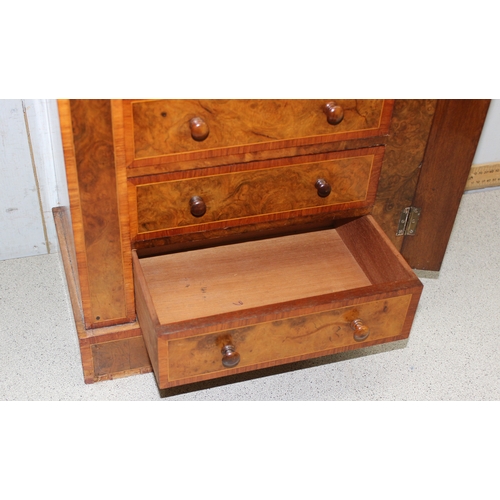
(361, 331)
(324, 189)
(197, 206)
(334, 113)
(230, 357)
(199, 128)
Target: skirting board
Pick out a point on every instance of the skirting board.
(483, 176)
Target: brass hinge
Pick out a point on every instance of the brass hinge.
(408, 221)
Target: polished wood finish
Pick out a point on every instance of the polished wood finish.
(197, 207)
(283, 341)
(118, 356)
(199, 128)
(109, 352)
(404, 153)
(451, 146)
(98, 211)
(334, 113)
(361, 331)
(151, 244)
(259, 295)
(158, 131)
(286, 190)
(323, 188)
(373, 251)
(230, 358)
(158, 166)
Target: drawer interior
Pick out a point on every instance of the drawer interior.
(227, 280)
(201, 283)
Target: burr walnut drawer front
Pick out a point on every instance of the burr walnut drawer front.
(219, 311)
(212, 127)
(289, 187)
(287, 340)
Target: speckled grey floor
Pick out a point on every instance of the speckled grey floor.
(453, 352)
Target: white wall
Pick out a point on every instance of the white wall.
(32, 177)
(488, 149)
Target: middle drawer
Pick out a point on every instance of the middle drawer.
(269, 191)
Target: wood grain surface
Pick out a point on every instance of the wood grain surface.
(162, 126)
(213, 281)
(158, 132)
(146, 313)
(95, 211)
(373, 251)
(124, 352)
(158, 244)
(119, 356)
(279, 341)
(404, 153)
(280, 189)
(452, 143)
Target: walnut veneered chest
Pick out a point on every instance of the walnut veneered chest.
(212, 237)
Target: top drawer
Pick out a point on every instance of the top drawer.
(164, 130)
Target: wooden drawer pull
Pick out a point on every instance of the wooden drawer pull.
(334, 113)
(199, 128)
(361, 331)
(324, 189)
(230, 357)
(197, 206)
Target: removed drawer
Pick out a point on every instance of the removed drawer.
(215, 312)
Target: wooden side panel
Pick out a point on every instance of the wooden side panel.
(453, 140)
(95, 211)
(404, 153)
(373, 251)
(68, 256)
(124, 352)
(146, 314)
(119, 356)
(161, 127)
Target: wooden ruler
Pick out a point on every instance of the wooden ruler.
(483, 176)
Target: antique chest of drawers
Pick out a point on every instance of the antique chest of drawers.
(211, 237)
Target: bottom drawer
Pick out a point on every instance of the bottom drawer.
(282, 341)
(219, 311)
